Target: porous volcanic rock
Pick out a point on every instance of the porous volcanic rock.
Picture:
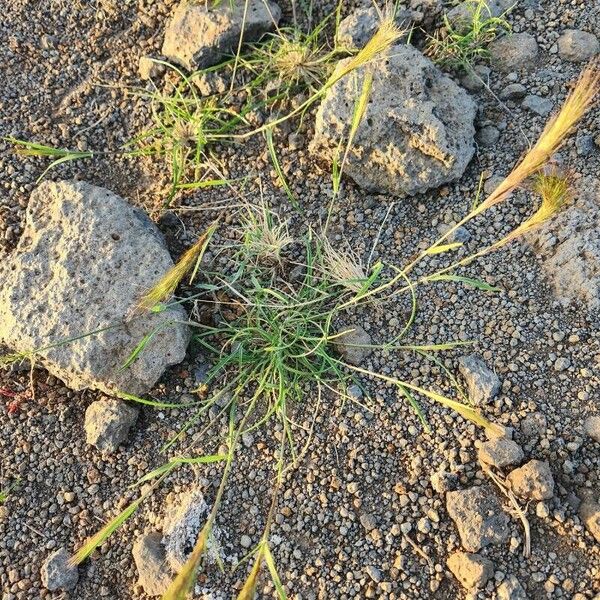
(85, 258)
(416, 134)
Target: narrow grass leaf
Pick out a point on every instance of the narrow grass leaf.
(278, 169)
(99, 538)
(248, 592)
(273, 571)
(443, 248)
(475, 283)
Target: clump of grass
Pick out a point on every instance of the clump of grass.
(461, 45)
(264, 236)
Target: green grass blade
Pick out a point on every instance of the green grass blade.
(273, 571)
(278, 170)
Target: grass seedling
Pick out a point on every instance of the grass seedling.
(461, 45)
(5, 493)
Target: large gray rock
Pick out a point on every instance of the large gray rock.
(472, 570)
(149, 556)
(482, 383)
(85, 258)
(512, 52)
(478, 517)
(417, 132)
(575, 45)
(58, 573)
(200, 34)
(569, 246)
(589, 513)
(107, 423)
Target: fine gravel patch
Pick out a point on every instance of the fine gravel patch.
(67, 69)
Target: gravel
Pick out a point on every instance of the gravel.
(370, 457)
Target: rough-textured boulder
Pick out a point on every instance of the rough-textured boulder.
(149, 555)
(58, 573)
(200, 35)
(417, 132)
(478, 516)
(533, 481)
(85, 258)
(472, 570)
(570, 247)
(107, 423)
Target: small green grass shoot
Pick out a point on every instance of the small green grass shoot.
(460, 45)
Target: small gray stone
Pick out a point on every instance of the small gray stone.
(478, 517)
(482, 383)
(513, 91)
(511, 52)
(58, 573)
(488, 135)
(353, 344)
(148, 69)
(443, 482)
(534, 425)
(471, 570)
(107, 423)
(374, 573)
(577, 46)
(532, 481)
(149, 556)
(592, 427)
(589, 513)
(585, 144)
(500, 452)
(538, 105)
(562, 363)
(209, 83)
(245, 541)
(200, 35)
(368, 521)
(511, 589)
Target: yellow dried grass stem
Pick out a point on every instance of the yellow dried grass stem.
(574, 108)
(182, 584)
(248, 592)
(169, 282)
